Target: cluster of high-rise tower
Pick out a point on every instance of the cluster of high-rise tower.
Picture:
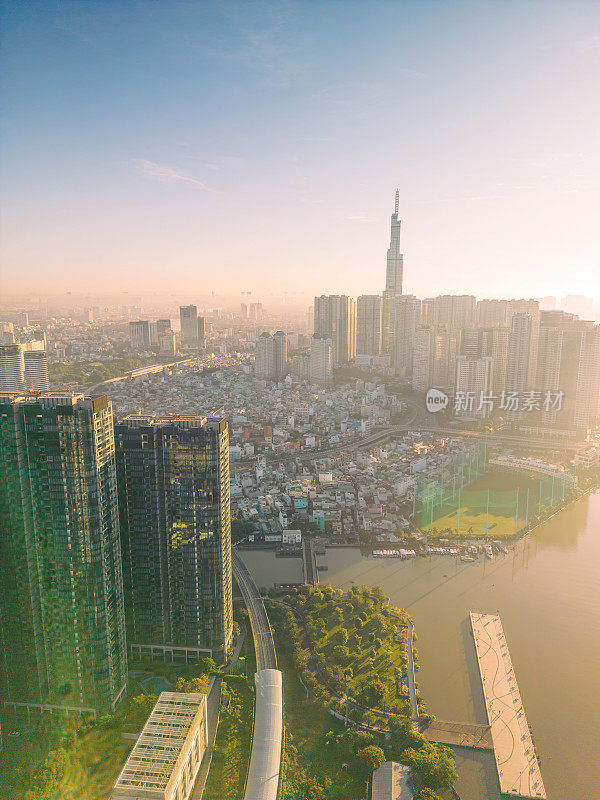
(23, 365)
(115, 544)
(461, 345)
(144, 334)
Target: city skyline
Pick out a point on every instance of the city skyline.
(299, 366)
(117, 194)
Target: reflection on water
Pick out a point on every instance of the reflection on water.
(267, 569)
(547, 590)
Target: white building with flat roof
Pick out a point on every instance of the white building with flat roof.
(165, 760)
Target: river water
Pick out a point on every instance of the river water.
(547, 591)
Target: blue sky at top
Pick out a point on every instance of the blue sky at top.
(259, 143)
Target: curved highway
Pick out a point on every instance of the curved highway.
(358, 444)
(261, 629)
(417, 419)
(267, 736)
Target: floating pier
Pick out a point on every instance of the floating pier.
(517, 763)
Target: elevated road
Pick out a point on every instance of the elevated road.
(309, 563)
(510, 440)
(331, 452)
(514, 440)
(267, 736)
(261, 629)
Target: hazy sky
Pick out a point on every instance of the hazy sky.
(251, 145)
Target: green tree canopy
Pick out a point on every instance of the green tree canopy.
(433, 763)
(427, 794)
(341, 654)
(371, 758)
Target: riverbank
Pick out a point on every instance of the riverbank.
(546, 589)
(487, 508)
(355, 686)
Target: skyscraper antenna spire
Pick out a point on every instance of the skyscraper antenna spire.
(396, 205)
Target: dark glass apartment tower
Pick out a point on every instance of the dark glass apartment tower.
(176, 534)
(62, 621)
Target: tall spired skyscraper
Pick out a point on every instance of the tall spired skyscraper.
(393, 276)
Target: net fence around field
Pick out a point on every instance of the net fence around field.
(446, 503)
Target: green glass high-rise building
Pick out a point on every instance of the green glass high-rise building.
(173, 476)
(62, 620)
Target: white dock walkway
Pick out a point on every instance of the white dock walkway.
(516, 760)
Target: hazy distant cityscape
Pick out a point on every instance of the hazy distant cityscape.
(441, 428)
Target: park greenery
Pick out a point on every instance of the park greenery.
(229, 766)
(240, 529)
(322, 759)
(82, 758)
(347, 645)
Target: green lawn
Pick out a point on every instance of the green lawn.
(506, 489)
(473, 523)
(90, 766)
(94, 764)
(229, 766)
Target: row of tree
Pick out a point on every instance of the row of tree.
(365, 622)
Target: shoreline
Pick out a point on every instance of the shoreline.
(513, 538)
(529, 531)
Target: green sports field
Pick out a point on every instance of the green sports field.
(500, 502)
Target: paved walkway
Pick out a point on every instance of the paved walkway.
(516, 760)
(412, 684)
(238, 647)
(459, 734)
